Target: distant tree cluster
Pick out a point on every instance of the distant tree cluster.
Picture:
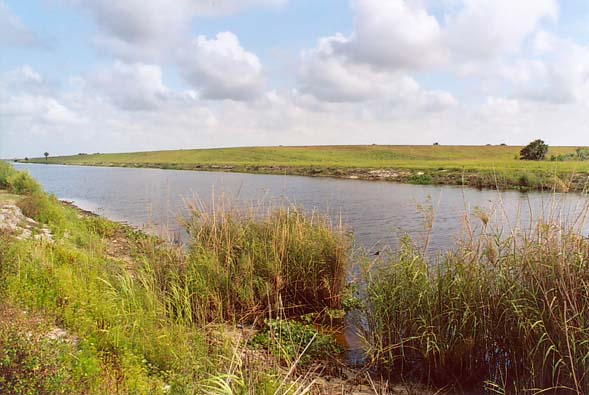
(536, 150)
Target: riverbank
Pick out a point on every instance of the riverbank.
(475, 166)
(99, 307)
(249, 307)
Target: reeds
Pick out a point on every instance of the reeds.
(245, 264)
(506, 313)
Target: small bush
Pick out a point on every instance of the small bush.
(287, 339)
(101, 226)
(43, 208)
(22, 183)
(6, 171)
(536, 150)
(33, 363)
(421, 179)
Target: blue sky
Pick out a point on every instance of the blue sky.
(112, 75)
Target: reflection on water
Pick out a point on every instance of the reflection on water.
(377, 212)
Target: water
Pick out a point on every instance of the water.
(379, 213)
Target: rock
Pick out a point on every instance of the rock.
(14, 222)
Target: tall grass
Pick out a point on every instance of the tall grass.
(246, 264)
(507, 313)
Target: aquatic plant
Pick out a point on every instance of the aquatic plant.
(247, 263)
(507, 312)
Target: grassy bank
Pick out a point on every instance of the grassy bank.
(102, 308)
(478, 166)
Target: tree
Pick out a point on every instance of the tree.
(536, 150)
(46, 155)
(436, 144)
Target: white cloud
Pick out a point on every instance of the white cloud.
(332, 75)
(485, 30)
(130, 86)
(22, 78)
(393, 34)
(333, 79)
(149, 29)
(224, 7)
(29, 110)
(220, 68)
(13, 32)
(394, 40)
(404, 35)
(563, 74)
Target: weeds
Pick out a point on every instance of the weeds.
(286, 339)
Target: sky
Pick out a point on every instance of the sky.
(133, 75)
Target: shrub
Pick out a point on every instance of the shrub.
(288, 340)
(22, 183)
(101, 226)
(43, 208)
(32, 362)
(421, 179)
(536, 150)
(5, 172)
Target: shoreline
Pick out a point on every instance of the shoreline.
(124, 247)
(129, 301)
(493, 179)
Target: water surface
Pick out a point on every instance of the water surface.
(377, 212)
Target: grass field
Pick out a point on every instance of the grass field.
(480, 166)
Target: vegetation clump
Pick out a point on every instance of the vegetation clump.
(580, 154)
(505, 313)
(536, 150)
(289, 340)
(254, 262)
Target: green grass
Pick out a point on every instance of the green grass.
(481, 166)
(155, 319)
(402, 157)
(259, 262)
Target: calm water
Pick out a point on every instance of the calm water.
(377, 212)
